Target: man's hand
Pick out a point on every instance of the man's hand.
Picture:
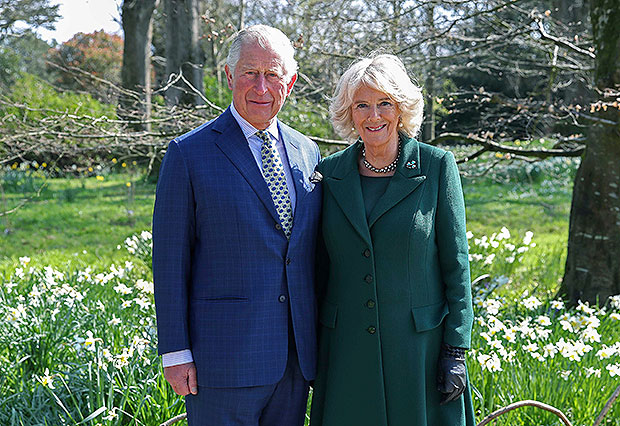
(182, 378)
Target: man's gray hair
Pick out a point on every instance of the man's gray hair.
(268, 38)
(387, 74)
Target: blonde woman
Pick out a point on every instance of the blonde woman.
(395, 311)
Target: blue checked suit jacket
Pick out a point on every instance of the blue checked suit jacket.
(221, 261)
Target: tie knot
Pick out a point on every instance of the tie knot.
(263, 136)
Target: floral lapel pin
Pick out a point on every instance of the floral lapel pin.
(411, 164)
(316, 177)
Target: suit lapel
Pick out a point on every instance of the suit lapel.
(406, 179)
(346, 187)
(296, 164)
(234, 145)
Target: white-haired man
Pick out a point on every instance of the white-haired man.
(234, 232)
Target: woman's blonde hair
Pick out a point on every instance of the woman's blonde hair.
(385, 73)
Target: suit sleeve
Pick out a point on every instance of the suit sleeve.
(453, 254)
(173, 237)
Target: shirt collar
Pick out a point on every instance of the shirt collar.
(249, 130)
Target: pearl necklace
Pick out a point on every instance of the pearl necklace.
(386, 169)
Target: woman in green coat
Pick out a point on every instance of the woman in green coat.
(395, 305)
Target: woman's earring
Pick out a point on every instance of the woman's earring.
(400, 123)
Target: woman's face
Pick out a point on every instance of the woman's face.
(375, 117)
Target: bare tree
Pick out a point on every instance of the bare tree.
(183, 51)
(137, 19)
(593, 262)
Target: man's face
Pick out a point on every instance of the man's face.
(258, 85)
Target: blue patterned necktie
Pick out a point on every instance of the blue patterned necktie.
(273, 170)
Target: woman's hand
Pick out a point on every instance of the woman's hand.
(451, 373)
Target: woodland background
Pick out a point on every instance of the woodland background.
(525, 93)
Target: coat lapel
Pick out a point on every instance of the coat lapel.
(406, 179)
(346, 186)
(234, 145)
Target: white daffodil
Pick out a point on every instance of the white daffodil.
(531, 303)
(584, 307)
(145, 286)
(605, 352)
(491, 362)
(591, 335)
(614, 369)
(549, 350)
(557, 305)
(47, 380)
(122, 289)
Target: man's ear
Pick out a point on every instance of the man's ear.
(289, 86)
(229, 77)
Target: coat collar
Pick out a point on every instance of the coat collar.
(346, 186)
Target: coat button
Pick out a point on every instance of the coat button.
(366, 253)
(288, 260)
(282, 298)
(371, 330)
(370, 303)
(278, 226)
(368, 278)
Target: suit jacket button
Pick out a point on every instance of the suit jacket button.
(368, 278)
(366, 253)
(282, 298)
(278, 226)
(371, 330)
(370, 304)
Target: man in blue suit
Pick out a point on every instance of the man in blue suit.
(234, 232)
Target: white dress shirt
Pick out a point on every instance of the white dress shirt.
(184, 356)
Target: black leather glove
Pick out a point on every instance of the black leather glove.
(451, 373)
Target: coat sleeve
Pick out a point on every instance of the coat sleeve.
(453, 254)
(173, 238)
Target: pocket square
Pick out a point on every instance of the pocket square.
(316, 177)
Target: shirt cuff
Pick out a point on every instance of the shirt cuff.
(171, 359)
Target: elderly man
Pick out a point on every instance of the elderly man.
(234, 231)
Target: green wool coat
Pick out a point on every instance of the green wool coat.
(397, 286)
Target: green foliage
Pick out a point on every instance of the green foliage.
(305, 115)
(217, 93)
(43, 100)
(530, 347)
(25, 53)
(34, 13)
(89, 336)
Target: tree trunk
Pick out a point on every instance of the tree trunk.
(137, 17)
(593, 263)
(183, 51)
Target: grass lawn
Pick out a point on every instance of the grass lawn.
(74, 219)
(84, 219)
